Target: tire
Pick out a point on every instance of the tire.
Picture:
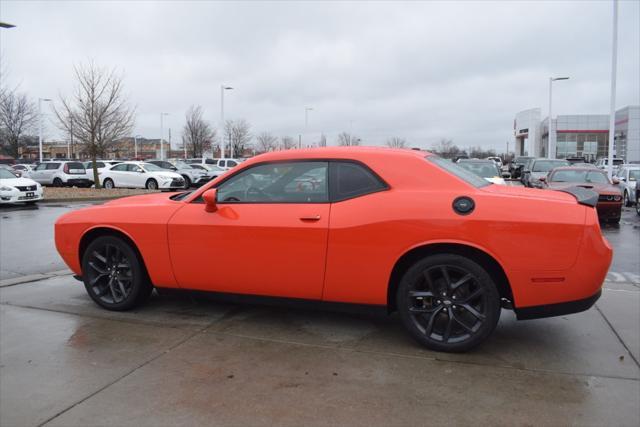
(113, 274)
(426, 306)
(108, 184)
(57, 182)
(626, 201)
(638, 206)
(187, 182)
(151, 184)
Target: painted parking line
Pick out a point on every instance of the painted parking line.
(623, 277)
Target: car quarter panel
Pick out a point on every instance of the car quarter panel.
(144, 223)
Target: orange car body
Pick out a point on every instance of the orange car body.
(547, 247)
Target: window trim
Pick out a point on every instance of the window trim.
(330, 188)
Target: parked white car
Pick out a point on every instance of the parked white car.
(212, 171)
(61, 174)
(628, 175)
(18, 190)
(224, 164)
(191, 175)
(486, 169)
(140, 175)
(23, 170)
(101, 166)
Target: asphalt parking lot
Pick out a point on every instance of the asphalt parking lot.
(193, 361)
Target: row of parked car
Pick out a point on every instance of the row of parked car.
(23, 182)
(560, 174)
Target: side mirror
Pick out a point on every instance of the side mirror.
(210, 200)
(173, 168)
(615, 181)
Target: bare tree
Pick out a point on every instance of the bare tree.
(238, 135)
(481, 153)
(197, 133)
(266, 142)
(323, 140)
(397, 142)
(17, 117)
(346, 139)
(287, 143)
(447, 149)
(98, 114)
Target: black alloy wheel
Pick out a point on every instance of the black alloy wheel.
(448, 303)
(113, 275)
(152, 184)
(187, 182)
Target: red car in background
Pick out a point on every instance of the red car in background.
(400, 229)
(609, 204)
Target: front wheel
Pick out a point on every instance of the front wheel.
(187, 182)
(152, 184)
(627, 201)
(113, 275)
(448, 303)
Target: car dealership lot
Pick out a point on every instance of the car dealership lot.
(189, 360)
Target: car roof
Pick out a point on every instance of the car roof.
(579, 168)
(356, 153)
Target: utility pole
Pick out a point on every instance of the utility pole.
(612, 105)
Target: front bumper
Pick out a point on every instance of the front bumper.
(16, 196)
(80, 182)
(171, 184)
(609, 210)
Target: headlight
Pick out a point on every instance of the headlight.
(617, 198)
(165, 177)
(5, 188)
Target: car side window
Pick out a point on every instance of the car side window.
(349, 179)
(291, 182)
(133, 168)
(51, 166)
(41, 167)
(119, 168)
(231, 163)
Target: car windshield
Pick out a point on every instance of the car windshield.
(547, 165)
(456, 170)
(5, 174)
(522, 160)
(588, 176)
(634, 175)
(183, 165)
(150, 167)
(482, 169)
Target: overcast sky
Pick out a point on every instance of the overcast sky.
(418, 70)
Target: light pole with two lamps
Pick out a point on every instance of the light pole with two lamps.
(222, 144)
(162, 134)
(40, 123)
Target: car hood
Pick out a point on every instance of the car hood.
(12, 182)
(165, 173)
(143, 199)
(598, 188)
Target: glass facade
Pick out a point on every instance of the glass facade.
(591, 146)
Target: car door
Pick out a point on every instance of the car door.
(38, 174)
(50, 172)
(267, 237)
(135, 176)
(118, 174)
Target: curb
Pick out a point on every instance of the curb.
(33, 278)
(88, 199)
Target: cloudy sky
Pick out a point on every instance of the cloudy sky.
(418, 70)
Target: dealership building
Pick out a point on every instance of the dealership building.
(584, 135)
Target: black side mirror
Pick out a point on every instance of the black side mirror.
(173, 168)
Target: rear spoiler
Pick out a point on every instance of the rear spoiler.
(582, 195)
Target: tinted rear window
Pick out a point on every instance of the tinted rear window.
(456, 170)
(352, 180)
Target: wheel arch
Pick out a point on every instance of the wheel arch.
(479, 255)
(93, 233)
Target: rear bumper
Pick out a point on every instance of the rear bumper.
(560, 309)
(609, 210)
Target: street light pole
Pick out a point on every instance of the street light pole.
(306, 120)
(135, 147)
(40, 124)
(612, 105)
(552, 132)
(222, 145)
(162, 134)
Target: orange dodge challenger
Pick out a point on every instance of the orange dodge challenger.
(403, 229)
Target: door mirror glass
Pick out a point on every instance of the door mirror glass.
(615, 181)
(210, 200)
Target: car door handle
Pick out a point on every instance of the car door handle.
(310, 218)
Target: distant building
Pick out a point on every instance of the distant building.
(585, 135)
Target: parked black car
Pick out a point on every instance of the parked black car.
(515, 167)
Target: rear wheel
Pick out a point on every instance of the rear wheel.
(108, 184)
(152, 184)
(113, 275)
(448, 303)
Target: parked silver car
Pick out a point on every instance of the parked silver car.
(628, 175)
(61, 174)
(191, 175)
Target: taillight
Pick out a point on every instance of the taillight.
(66, 168)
